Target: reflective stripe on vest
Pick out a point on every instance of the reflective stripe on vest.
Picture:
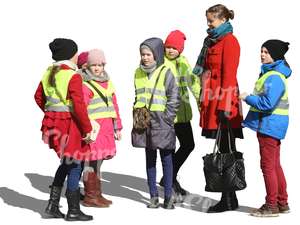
(184, 77)
(97, 108)
(283, 105)
(56, 97)
(144, 88)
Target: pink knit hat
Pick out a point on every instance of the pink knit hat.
(96, 56)
(82, 59)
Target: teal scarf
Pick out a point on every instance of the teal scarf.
(213, 36)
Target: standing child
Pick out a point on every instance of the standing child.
(65, 122)
(154, 78)
(268, 116)
(103, 110)
(174, 45)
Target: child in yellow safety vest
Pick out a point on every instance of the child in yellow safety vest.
(268, 116)
(99, 96)
(174, 45)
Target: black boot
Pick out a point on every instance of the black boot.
(74, 213)
(52, 209)
(178, 189)
(81, 196)
(228, 202)
(176, 186)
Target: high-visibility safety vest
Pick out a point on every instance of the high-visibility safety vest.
(144, 88)
(184, 77)
(97, 107)
(56, 97)
(282, 108)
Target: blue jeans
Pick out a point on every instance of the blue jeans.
(71, 169)
(166, 159)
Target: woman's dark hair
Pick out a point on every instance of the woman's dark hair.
(54, 70)
(221, 12)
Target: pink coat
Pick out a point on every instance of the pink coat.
(104, 147)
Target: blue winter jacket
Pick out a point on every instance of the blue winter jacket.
(274, 88)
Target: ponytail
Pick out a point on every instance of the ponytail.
(51, 80)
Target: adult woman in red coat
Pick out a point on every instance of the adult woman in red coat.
(217, 66)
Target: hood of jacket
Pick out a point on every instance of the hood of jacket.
(280, 66)
(157, 47)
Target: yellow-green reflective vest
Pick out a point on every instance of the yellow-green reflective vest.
(282, 108)
(56, 97)
(184, 77)
(97, 107)
(144, 88)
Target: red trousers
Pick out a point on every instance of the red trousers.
(273, 174)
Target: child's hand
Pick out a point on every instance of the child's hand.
(243, 96)
(118, 135)
(87, 138)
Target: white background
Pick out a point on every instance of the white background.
(118, 27)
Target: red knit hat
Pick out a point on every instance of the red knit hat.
(176, 40)
(82, 59)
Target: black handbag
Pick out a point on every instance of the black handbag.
(224, 172)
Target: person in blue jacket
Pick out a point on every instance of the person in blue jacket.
(268, 116)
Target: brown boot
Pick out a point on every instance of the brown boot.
(92, 192)
(109, 202)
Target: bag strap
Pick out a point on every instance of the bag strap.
(218, 140)
(230, 136)
(104, 98)
(219, 135)
(151, 98)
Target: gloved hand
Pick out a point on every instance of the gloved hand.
(223, 116)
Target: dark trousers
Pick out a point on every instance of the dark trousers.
(166, 159)
(69, 168)
(184, 133)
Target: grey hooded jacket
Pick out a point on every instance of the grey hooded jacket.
(161, 134)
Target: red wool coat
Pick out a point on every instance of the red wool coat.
(63, 131)
(219, 84)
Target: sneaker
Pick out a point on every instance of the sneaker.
(169, 203)
(284, 208)
(154, 203)
(266, 211)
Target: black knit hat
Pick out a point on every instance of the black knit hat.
(276, 48)
(63, 49)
